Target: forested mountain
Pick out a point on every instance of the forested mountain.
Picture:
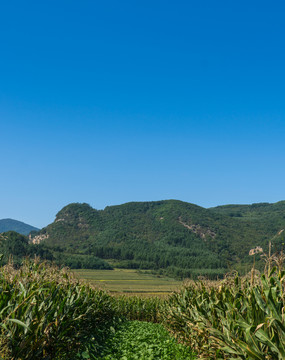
(271, 214)
(176, 237)
(14, 225)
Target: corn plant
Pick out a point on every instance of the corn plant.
(137, 308)
(236, 320)
(47, 314)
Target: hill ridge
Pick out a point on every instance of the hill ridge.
(172, 235)
(9, 224)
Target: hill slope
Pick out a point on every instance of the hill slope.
(183, 238)
(15, 225)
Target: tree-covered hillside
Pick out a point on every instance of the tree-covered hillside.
(178, 238)
(15, 247)
(15, 225)
(271, 215)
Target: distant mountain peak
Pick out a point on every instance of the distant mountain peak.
(15, 225)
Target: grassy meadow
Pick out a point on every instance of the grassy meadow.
(129, 281)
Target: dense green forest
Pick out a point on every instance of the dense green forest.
(171, 237)
(15, 247)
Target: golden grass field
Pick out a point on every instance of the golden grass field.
(129, 281)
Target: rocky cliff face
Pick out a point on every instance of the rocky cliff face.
(37, 239)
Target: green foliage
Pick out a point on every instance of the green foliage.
(137, 308)
(182, 239)
(136, 340)
(269, 219)
(17, 247)
(76, 261)
(47, 314)
(234, 320)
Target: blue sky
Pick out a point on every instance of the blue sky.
(107, 102)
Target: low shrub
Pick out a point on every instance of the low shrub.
(136, 340)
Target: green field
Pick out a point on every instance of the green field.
(129, 281)
(47, 314)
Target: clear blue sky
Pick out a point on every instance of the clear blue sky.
(107, 102)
